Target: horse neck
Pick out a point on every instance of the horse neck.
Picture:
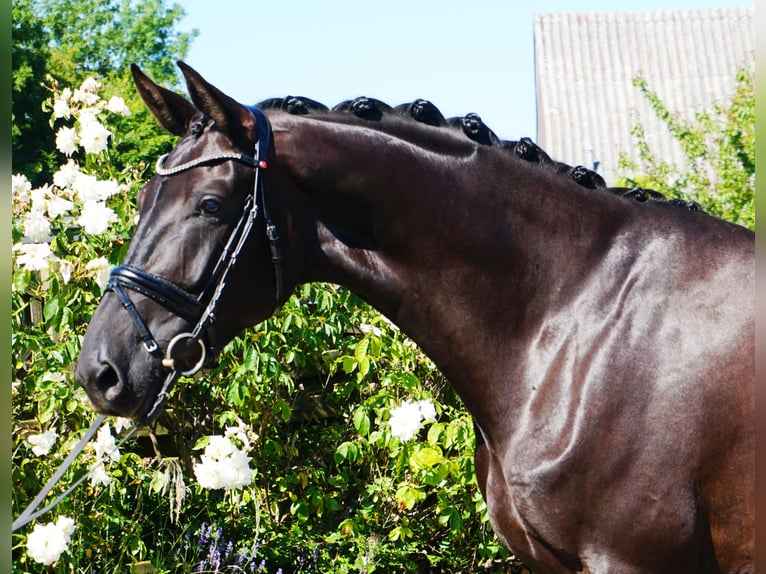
(448, 242)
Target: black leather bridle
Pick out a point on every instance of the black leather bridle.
(199, 309)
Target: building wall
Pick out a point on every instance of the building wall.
(585, 65)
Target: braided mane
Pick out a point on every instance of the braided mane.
(472, 126)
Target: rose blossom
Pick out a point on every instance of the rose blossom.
(93, 137)
(100, 270)
(66, 174)
(96, 217)
(223, 465)
(37, 227)
(66, 140)
(47, 542)
(406, 419)
(34, 256)
(41, 443)
(117, 106)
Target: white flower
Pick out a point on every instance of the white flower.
(88, 116)
(365, 328)
(61, 109)
(405, 421)
(105, 445)
(66, 525)
(39, 197)
(427, 410)
(100, 269)
(65, 269)
(105, 448)
(121, 423)
(42, 443)
(93, 137)
(90, 85)
(96, 217)
(56, 377)
(47, 542)
(99, 476)
(87, 92)
(34, 256)
(37, 227)
(21, 187)
(407, 418)
(66, 174)
(107, 188)
(117, 106)
(223, 465)
(86, 187)
(89, 188)
(58, 206)
(86, 98)
(66, 140)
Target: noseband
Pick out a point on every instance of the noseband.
(200, 309)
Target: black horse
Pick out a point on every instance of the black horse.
(604, 346)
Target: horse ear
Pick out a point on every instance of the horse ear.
(231, 117)
(172, 111)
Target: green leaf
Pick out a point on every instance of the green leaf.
(21, 281)
(158, 481)
(347, 451)
(450, 516)
(360, 351)
(348, 527)
(283, 410)
(434, 433)
(364, 367)
(349, 364)
(426, 457)
(361, 421)
(201, 443)
(50, 309)
(408, 496)
(400, 533)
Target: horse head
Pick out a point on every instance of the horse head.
(166, 312)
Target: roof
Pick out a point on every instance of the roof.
(585, 65)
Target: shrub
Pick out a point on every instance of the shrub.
(718, 145)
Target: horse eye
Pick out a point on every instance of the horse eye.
(209, 205)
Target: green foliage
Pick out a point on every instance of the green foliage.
(66, 41)
(308, 394)
(719, 149)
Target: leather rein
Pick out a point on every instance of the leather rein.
(199, 310)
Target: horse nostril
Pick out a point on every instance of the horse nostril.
(109, 383)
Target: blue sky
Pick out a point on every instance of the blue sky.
(463, 56)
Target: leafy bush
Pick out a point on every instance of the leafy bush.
(307, 397)
(719, 151)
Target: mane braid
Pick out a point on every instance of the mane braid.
(471, 126)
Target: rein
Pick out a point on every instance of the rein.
(180, 302)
